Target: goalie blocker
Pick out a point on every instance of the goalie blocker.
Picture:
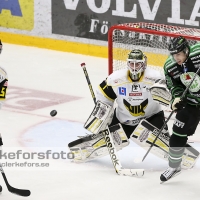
(100, 117)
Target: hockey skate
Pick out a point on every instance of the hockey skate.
(170, 173)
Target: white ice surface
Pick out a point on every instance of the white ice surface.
(35, 131)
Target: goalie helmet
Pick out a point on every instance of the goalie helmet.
(177, 45)
(1, 46)
(136, 62)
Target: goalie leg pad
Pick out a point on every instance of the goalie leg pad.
(144, 135)
(94, 146)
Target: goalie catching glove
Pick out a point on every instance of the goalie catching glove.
(160, 92)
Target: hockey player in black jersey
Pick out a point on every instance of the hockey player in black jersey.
(180, 68)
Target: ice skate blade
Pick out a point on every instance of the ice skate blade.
(170, 178)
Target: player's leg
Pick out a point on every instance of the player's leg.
(145, 133)
(185, 125)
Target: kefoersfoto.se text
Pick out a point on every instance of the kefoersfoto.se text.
(49, 154)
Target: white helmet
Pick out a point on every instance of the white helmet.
(137, 63)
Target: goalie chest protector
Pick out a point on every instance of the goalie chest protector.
(134, 99)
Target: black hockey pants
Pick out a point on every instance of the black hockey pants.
(184, 125)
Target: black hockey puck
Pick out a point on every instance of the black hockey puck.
(53, 113)
(0, 188)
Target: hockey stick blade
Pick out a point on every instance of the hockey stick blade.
(131, 172)
(20, 192)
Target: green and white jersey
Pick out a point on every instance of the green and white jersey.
(178, 77)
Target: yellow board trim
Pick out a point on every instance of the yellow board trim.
(73, 47)
(55, 44)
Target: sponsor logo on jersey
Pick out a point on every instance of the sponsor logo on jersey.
(122, 91)
(186, 79)
(136, 87)
(133, 122)
(196, 61)
(135, 99)
(169, 70)
(195, 57)
(179, 123)
(135, 94)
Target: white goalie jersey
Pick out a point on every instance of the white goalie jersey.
(134, 100)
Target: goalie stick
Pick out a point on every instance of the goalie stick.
(20, 192)
(110, 144)
(183, 95)
(88, 81)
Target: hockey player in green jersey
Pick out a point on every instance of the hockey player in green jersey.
(180, 68)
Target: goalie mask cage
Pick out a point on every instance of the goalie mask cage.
(153, 39)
